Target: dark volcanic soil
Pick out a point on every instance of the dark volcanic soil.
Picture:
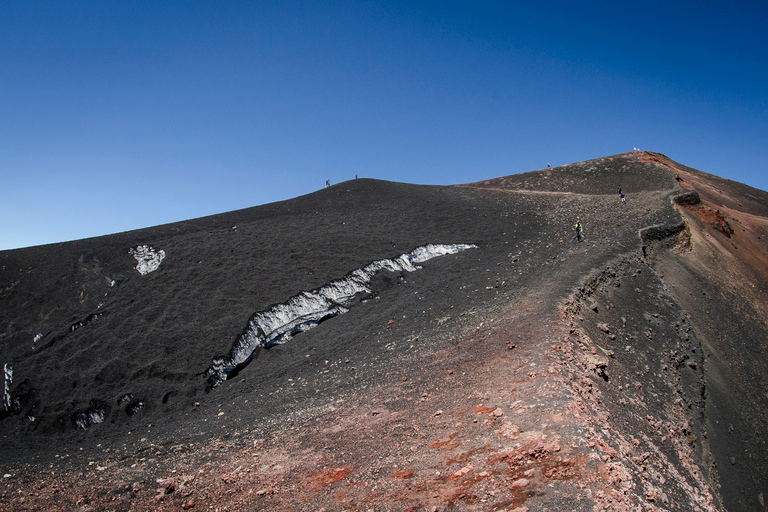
(531, 372)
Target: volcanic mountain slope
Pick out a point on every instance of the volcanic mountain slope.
(525, 370)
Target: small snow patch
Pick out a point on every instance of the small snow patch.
(92, 416)
(148, 259)
(8, 380)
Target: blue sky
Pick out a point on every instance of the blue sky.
(123, 115)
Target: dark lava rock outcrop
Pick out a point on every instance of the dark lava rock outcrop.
(623, 372)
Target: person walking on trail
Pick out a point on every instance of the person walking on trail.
(327, 183)
(623, 198)
(579, 231)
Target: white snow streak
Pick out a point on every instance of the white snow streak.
(8, 380)
(278, 324)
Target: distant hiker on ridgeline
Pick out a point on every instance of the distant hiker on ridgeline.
(327, 183)
(547, 166)
(623, 197)
(579, 230)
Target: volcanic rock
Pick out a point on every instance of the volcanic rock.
(636, 379)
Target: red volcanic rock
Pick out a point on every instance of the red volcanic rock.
(520, 483)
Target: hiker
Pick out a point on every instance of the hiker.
(547, 166)
(623, 197)
(327, 183)
(578, 230)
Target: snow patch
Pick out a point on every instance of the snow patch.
(300, 313)
(92, 416)
(148, 259)
(8, 380)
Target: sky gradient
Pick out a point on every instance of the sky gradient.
(123, 115)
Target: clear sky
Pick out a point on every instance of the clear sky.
(126, 114)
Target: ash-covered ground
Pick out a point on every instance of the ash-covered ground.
(526, 371)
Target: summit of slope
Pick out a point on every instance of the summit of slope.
(633, 172)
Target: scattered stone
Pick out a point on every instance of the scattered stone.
(520, 483)
(463, 471)
(167, 485)
(609, 353)
(438, 413)
(229, 478)
(497, 412)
